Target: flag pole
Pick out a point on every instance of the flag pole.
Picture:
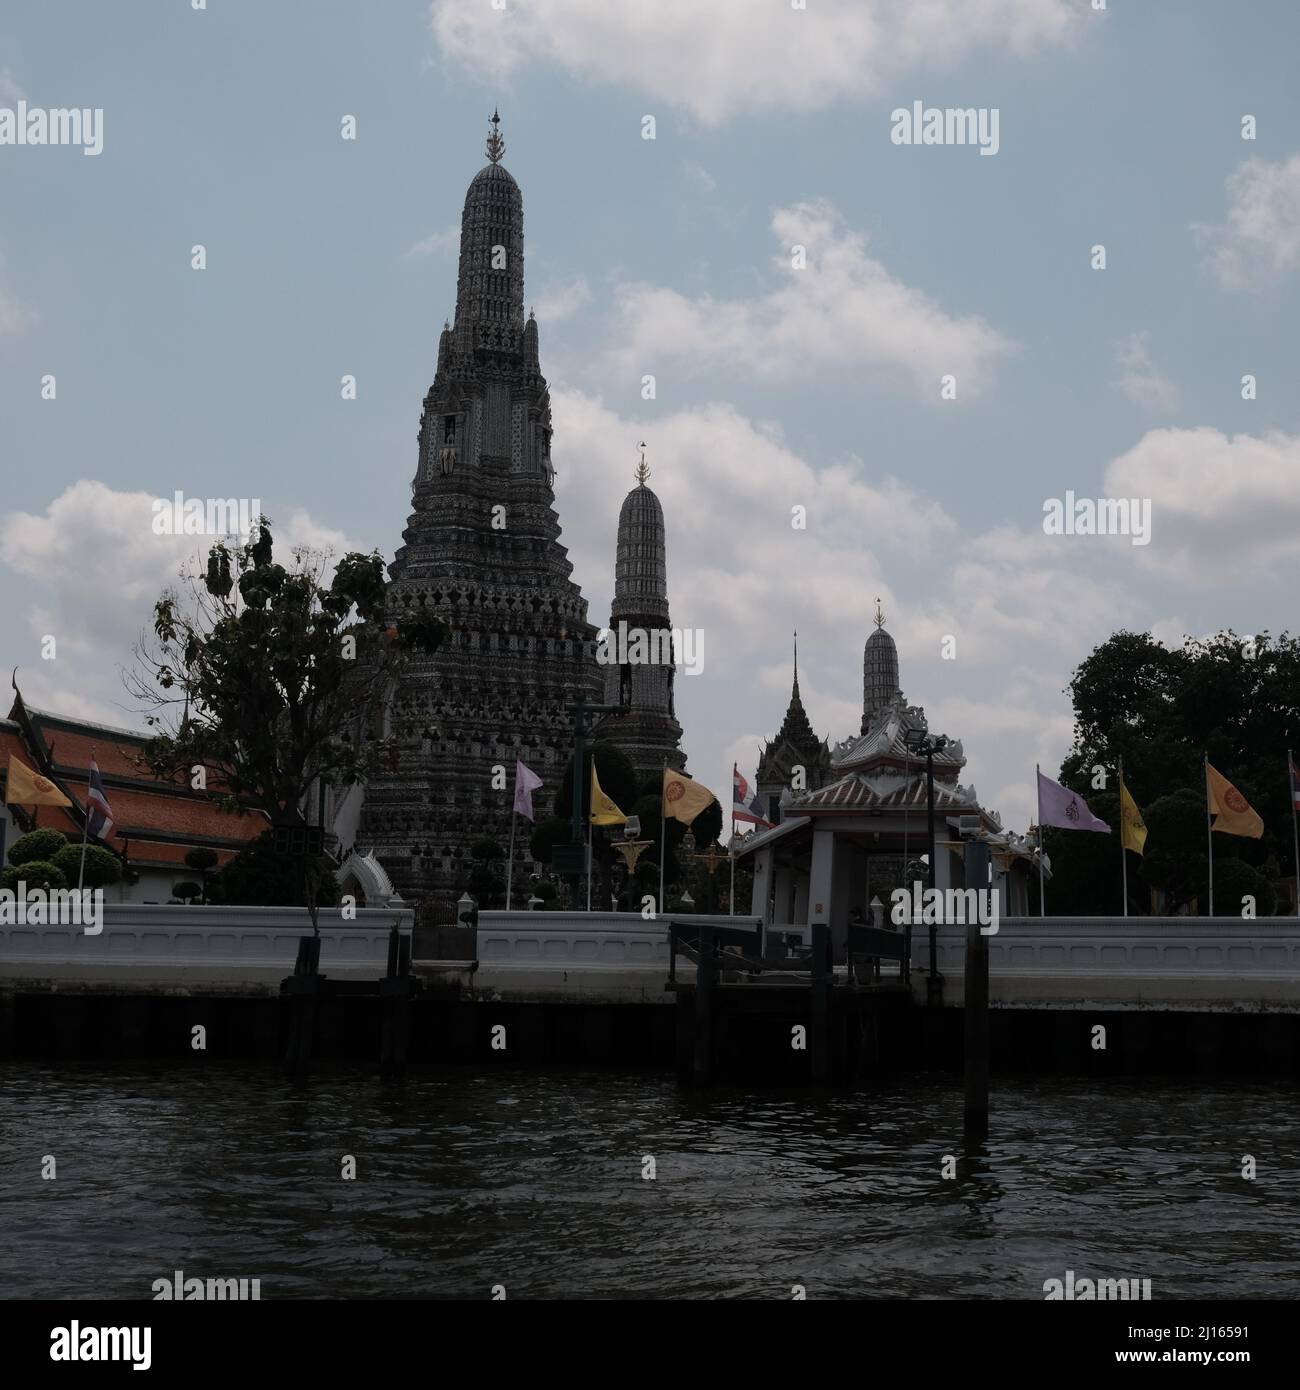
(510, 866)
(731, 846)
(663, 843)
(591, 815)
(1038, 788)
(1209, 829)
(1295, 834)
(1123, 852)
(85, 824)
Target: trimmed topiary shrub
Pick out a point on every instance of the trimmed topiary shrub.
(102, 865)
(35, 873)
(37, 844)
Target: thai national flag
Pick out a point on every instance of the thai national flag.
(745, 806)
(99, 813)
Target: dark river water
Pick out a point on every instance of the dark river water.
(467, 1180)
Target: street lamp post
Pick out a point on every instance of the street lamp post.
(920, 741)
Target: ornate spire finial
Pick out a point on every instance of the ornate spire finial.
(496, 146)
(642, 468)
(794, 693)
(880, 617)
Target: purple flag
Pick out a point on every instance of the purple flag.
(526, 783)
(1058, 805)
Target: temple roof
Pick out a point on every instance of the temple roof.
(861, 791)
(885, 741)
(796, 731)
(155, 820)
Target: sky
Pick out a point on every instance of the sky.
(778, 387)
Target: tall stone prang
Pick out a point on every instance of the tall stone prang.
(879, 672)
(646, 728)
(482, 550)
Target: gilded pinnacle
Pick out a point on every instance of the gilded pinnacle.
(496, 146)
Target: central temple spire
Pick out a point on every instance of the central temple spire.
(490, 283)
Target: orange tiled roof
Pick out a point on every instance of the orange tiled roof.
(153, 818)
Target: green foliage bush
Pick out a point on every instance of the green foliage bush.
(35, 873)
(102, 866)
(37, 844)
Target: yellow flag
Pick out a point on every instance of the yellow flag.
(27, 788)
(603, 810)
(684, 798)
(1132, 828)
(1233, 814)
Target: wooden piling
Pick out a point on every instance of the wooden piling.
(706, 981)
(819, 1042)
(395, 993)
(303, 988)
(975, 1007)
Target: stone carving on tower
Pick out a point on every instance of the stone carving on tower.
(796, 760)
(482, 550)
(880, 687)
(646, 729)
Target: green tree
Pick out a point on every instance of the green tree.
(37, 844)
(102, 865)
(261, 876)
(1175, 862)
(1232, 698)
(1234, 881)
(204, 860)
(186, 890)
(35, 873)
(270, 678)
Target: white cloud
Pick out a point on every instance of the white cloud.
(700, 177)
(1169, 632)
(1221, 506)
(728, 56)
(446, 240)
(559, 299)
(98, 568)
(15, 316)
(10, 90)
(1140, 380)
(1261, 238)
(1022, 611)
(843, 310)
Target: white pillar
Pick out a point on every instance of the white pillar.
(821, 877)
(758, 904)
(942, 859)
(782, 897)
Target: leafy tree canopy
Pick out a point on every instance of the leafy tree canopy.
(272, 677)
(1235, 699)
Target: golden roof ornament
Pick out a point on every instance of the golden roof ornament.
(642, 468)
(496, 146)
